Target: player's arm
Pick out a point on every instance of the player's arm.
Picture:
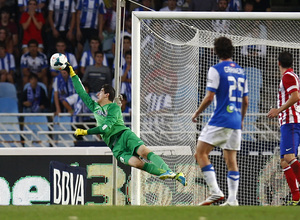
(90, 103)
(291, 85)
(294, 97)
(207, 100)
(213, 81)
(244, 108)
(105, 127)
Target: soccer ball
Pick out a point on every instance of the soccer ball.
(58, 61)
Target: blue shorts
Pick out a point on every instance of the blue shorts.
(289, 140)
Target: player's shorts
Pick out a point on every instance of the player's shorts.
(225, 138)
(126, 146)
(290, 139)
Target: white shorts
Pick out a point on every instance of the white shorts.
(225, 138)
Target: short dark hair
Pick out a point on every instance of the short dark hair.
(223, 47)
(94, 37)
(286, 59)
(127, 53)
(33, 76)
(109, 89)
(33, 41)
(61, 40)
(99, 52)
(124, 96)
(127, 38)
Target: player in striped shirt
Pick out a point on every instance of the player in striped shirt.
(61, 19)
(7, 65)
(227, 85)
(89, 21)
(288, 113)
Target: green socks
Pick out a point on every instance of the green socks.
(152, 169)
(158, 161)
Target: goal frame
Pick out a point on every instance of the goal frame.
(136, 65)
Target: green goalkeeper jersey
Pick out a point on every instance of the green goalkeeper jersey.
(109, 117)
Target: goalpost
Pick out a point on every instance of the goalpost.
(171, 53)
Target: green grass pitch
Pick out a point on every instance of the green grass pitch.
(57, 212)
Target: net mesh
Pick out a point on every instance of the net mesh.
(175, 56)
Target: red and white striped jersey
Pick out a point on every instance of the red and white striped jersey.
(289, 83)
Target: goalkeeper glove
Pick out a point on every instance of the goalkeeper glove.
(80, 132)
(72, 72)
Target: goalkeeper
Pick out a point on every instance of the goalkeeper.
(124, 144)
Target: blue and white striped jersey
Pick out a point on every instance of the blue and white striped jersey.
(88, 60)
(8, 62)
(228, 81)
(36, 64)
(62, 11)
(90, 9)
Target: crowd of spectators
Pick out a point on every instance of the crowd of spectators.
(32, 30)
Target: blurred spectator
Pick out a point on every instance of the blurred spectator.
(8, 5)
(221, 25)
(62, 88)
(126, 77)
(234, 5)
(34, 98)
(109, 26)
(87, 58)
(171, 6)
(249, 6)
(32, 23)
(75, 106)
(126, 47)
(126, 109)
(34, 62)
(23, 4)
(61, 47)
(90, 22)
(12, 30)
(6, 39)
(262, 5)
(62, 19)
(203, 5)
(97, 75)
(127, 32)
(146, 3)
(7, 65)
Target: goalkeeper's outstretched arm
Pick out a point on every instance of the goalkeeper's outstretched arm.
(90, 103)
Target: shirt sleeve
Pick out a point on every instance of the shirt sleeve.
(88, 101)
(290, 83)
(213, 80)
(110, 120)
(246, 88)
(72, 99)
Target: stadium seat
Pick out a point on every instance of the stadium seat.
(8, 90)
(63, 123)
(9, 123)
(40, 84)
(35, 124)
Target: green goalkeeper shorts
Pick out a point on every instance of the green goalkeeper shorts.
(126, 146)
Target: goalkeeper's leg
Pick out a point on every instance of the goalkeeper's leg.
(157, 161)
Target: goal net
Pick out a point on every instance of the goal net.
(172, 52)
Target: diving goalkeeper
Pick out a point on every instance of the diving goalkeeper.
(124, 144)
